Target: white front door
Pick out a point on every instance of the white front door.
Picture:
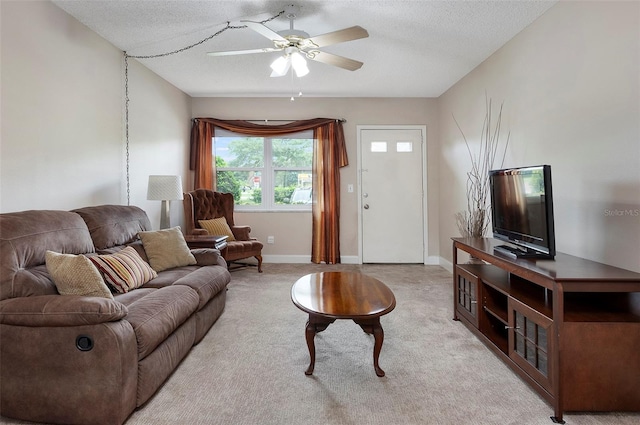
(392, 194)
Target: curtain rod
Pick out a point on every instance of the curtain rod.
(267, 120)
(343, 120)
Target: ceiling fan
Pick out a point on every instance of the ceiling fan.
(298, 45)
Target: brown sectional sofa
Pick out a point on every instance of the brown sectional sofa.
(73, 359)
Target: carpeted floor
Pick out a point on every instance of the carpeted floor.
(249, 369)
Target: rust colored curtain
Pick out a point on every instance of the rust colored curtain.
(201, 159)
(329, 155)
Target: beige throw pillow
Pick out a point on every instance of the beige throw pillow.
(166, 249)
(125, 270)
(75, 275)
(218, 227)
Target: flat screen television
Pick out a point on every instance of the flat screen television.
(522, 211)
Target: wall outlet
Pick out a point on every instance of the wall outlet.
(271, 239)
(350, 188)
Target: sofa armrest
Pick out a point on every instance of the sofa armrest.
(208, 257)
(199, 231)
(241, 233)
(60, 310)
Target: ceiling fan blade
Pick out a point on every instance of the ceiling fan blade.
(335, 60)
(266, 32)
(244, 52)
(340, 36)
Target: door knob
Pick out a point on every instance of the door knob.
(366, 206)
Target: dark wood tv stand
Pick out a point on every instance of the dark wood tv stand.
(569, 327)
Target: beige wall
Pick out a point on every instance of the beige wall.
(569, 83)
(63, 117)
(292, 231)
(570, 87)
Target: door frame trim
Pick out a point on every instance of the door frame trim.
(425, 212)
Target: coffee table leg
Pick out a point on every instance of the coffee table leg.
(373, 327)
(310, 333)
(315, 324)
(378, 335)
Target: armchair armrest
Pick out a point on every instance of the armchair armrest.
(208, 257)
(241, 233)
(60, 310)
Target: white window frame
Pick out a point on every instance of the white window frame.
(267, 172)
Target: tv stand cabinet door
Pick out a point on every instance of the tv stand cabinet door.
(467, 294)
(530, 342)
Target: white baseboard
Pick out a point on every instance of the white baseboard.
(302, 259)
(446, 264)
(432, 261)
(346, 259)
(286, 259)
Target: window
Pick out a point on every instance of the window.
(265, 173)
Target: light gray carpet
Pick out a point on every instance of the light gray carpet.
(249, 369)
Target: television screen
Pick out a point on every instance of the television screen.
(522, 210)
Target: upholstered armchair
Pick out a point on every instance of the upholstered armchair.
(204, 204)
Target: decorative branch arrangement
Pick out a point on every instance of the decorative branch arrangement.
(474, 221)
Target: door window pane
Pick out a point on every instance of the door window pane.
(378, 146)
(404, 147)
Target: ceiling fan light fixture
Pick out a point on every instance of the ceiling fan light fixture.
(299, 64)
(298, 46)
(280, 66)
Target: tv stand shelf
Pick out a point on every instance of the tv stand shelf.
(569, 327)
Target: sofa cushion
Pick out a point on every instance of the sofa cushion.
(132, 296)
(155, 316)
(24, 239)
(217, 226)
(113, 225)
(169, 277)
(167, 249)
(76, 275)
(124, 270)
(207, 282)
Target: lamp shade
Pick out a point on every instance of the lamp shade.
(164, 188)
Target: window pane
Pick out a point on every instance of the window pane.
(292, 187)
(292, 153)
(244, 185)
(265, 172)
(543, 362)
(519, 344)
(542, 338)
(239, 152)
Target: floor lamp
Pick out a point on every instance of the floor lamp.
(165, 189)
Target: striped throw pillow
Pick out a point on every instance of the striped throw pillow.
(217, 226)
(123, 271)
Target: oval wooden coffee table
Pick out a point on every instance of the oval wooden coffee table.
(329, 296)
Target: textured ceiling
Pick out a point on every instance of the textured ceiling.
(414, 48)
